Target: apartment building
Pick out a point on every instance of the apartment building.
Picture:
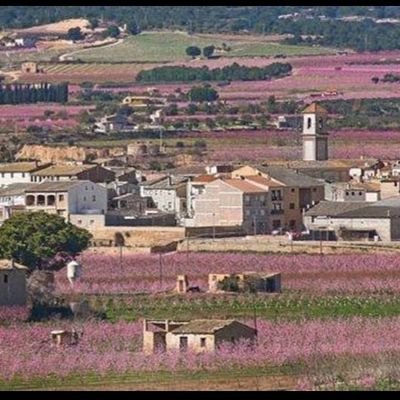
(232, 202)
(299, 191)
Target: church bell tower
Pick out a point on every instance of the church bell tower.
(315, 136)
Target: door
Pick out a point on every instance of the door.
(183, 343)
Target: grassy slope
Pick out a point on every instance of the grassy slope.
(158, 47)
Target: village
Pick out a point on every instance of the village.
(199, 198)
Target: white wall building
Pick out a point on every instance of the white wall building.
(17, 173)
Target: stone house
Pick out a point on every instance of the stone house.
(30, 68)
(12, 284)
(168, 194)
(86, 172)
(196, 336)
(261, 282)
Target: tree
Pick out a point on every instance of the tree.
(203, 94)
(133, 28)
(208, 51)
(112, 31)
(93, 23)
(75, 34)
(193, 51)
(41, 241)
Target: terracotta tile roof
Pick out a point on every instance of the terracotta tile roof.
(7, 265)
(264, 181)
(64, 170)
(204, 179)
(18, 167)
(315, 108)
(245, 187)
(56, 186)
(16, 189)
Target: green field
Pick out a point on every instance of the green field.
(171, 46)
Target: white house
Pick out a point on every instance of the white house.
(81, 202)
(20, 172)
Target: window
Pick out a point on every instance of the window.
(247, 199)
(293, 190)
(93, 198)
(321, 123)
(203, 342)
(353, 194)
(84, 199)
(292, 223)
(347, 193)
(292, 206)
(309, 123)
(5, 279)
(60, 197)
(79, 222)
(314, 190)
(91, 222)
(23, 174)
(248, 213)
(86, 188)
(262, 212)
(12, 175)
(360, 193)
(3, 174)
(183, 343)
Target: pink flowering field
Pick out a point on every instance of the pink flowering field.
(309, 274)
(116, 348)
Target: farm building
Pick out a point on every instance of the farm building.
(197, 335)
(30, 68)
(260, 282)
(12, 284)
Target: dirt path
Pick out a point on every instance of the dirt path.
(263, 383)
(65, 56)
(13, 74)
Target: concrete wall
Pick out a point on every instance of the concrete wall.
(87, 221)
(13, 292)
(219, 205)
(389, 189)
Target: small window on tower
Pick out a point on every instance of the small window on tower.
(309, 123)
(321, 123)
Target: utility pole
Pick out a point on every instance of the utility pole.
(120, 257)
(161, 272)
(213, 227)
